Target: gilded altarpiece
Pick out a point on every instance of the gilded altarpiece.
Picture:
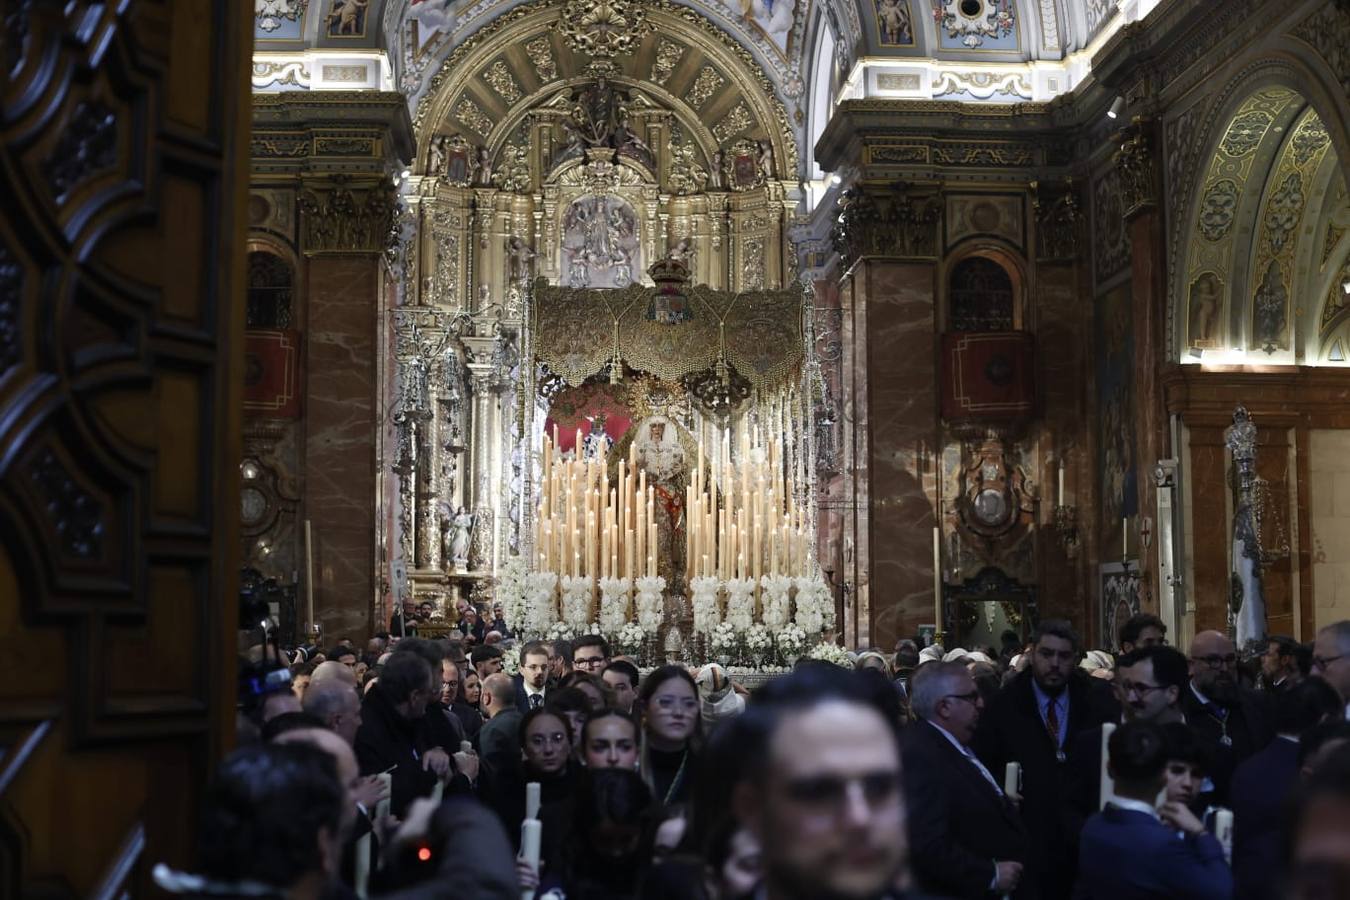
(582, 164)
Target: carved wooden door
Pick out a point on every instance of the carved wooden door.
(123, 154)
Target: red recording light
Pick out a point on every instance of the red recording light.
(423, 854)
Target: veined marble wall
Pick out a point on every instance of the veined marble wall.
(892, 306)
(342, 422)
(1329, 490)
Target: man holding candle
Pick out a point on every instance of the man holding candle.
(968, 838)
(1033, 722)
(1131, 849)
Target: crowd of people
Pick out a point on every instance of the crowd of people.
(413, 768)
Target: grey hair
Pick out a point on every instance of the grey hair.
(1341, 632)
(327, 699)
(932, 683)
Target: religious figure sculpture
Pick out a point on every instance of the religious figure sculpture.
(764, 160)
(436, 160)
(661, 456)
(682, 252)
(483, 177)
(600, 243)
(1204, 311)
(627, 140)
(595, 114)
(596, 443)
(521, 259)
(461, 535)
(715, 176)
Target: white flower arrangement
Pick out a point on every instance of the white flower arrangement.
(724, 639)
(512, 589)
(825, 597)
(576, 600)
(511, 659)
(559, 631)
(831, 653)
(740, 603)
(707, 614)
(540, 609)
(628, 640)
(790, 641)
(614, 603)
(809, 617)
(650, 589)
(758, 644)
(777, 603)
(592, 628)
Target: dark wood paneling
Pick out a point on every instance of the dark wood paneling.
(123, 153)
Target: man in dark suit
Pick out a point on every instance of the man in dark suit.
(499, 738)
(1033, 722)
(1231, 722)
(1150, 681)
(966, 838)
(1131, 850)
(532, 680)
(1262, 785)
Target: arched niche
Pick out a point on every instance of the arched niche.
(1255, 241)
(984, 289)
(272, 286)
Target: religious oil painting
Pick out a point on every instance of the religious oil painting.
(772, 18)
(1119, 598)
(347, 18)
(894, 23)
(279, 20)
(1117, 466)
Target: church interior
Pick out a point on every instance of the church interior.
(734, 330)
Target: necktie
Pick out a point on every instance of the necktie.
(988, 776)
(1052, 721)
(536, 701)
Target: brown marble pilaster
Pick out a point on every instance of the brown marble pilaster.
(332, 153)
(1136, 162)
(341, 422)
(1063, 340)
(900, 371)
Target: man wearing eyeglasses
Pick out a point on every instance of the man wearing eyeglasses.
(1331, 659)
(1231, 722)
(1149, 681)
(824, 798)
(590, 654)
(968, 838)
(1034, 722)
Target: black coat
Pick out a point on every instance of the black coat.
(387, 739)
(523, 696)
(1261, 788)
(958, 824)
(1011, 730)
(555, 809)
(1248, 725)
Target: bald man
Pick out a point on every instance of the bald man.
(329, 670)
(337, 704)
(1231, 722)
(360, 800)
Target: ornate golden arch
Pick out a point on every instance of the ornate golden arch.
(487, 85)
